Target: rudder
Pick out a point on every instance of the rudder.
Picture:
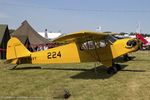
(16, 50)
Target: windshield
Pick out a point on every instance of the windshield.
(111, 38)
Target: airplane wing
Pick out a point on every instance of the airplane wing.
(82, 34)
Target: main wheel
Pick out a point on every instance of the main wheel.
(118, 67)
(112, 70)
(126, 57)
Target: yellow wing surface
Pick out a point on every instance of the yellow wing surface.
(81, 35)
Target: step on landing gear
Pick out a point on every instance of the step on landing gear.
(114, 69)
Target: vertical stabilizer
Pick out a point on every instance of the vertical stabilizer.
(15, 49)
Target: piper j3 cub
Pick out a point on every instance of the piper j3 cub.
(84, 46)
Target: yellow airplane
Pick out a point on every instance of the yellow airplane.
(84, 46)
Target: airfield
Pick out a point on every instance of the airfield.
(83, 81)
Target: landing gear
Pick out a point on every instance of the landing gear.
(126, 57)
(114, 69)
(118, 67)
(15, 66)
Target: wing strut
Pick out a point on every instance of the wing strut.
(96, 52)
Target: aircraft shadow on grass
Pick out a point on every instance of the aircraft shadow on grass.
(27, 68)
(99, 72)
(127, 70)
(123, 60)
(18, 67)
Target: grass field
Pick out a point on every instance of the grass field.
(83, 81)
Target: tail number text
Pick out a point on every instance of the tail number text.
(51, 55)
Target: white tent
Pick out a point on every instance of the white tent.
(50, 35)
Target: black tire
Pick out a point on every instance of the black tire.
(126, 57)
(118, 67)
(112, 70)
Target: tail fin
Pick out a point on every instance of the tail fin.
(16, 50)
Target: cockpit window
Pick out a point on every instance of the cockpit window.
(90, 45)
(111, 38)
(102, 43)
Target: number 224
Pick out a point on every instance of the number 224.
(51, 55)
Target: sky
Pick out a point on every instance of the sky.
(75, 15)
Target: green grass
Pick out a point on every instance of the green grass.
(84, 82)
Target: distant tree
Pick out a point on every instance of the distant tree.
(123, 33)
(11, 31)
(146, 35)
(143, 34)
(132, 33)
(107, 32)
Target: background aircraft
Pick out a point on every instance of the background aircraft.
(77, 47)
